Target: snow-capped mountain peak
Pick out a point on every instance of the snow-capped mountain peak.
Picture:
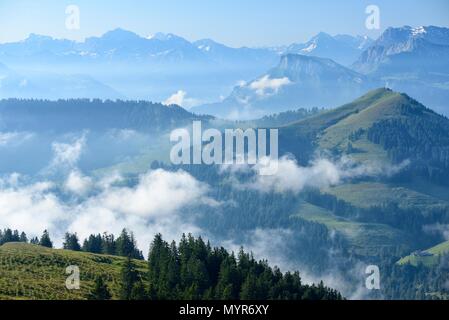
(418, 31)
(344, 49)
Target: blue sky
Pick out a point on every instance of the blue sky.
(233, 22)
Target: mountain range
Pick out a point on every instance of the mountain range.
(297, 81)
(411, 60)
(230, 82)
(406, 49)
(343, 49)
(153, 67)
(126, 46)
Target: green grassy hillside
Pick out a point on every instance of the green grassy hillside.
(381, 127)
(366, 194)
(365, 238)
(34, 272)
(427, 257)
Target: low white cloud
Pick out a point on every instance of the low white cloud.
(180, 98)
(32, 208)
(159, 193)
(438, 228)
(241, 83)
(78, 183)
(268, 244)
(14, 138)
(68, 154)
(320, 173)
(10, 180)
(124, 134)
(176, 98)
(154, 205)
(264, 84)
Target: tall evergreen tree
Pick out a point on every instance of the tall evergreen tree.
(100, 290)
(71, 242)
(108, 244)
(126, 245)
(138, 292)
(129, 278)
(23, 237)
(93, 244)
(45, 240)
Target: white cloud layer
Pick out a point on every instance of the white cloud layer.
(320, 174)
(101, 204)
(180, 98)
(264, 84)
(68, 154)
(153, 205)
(438, 228)
(78, 183)
(14, 138)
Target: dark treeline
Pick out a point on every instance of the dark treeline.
(425, 143)
(124, 245)
(193, 270)
(414, 282)
(8, 235)
(284, 118)
(96, 114)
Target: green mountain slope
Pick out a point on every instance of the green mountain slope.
(365, 239)
(387, 128)
(34, 272)
(429, 257)
(360, 121)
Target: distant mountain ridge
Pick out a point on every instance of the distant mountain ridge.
(39, 85)
(343, 49)
(150, 68)
(122, 64)
(297, 81)
(80, 114)
(406, 42)
(407, 59)
(414, 60)
(120, 44)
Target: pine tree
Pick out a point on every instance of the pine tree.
(126, 245)
(249, 288)
(23, 237)
(138, 292)
(93, 244)
(108, 244)
(129, 277)
(45, 240)
(71, 242)
(100, 290)
(164, 269)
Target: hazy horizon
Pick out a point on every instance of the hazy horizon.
(233, 23)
